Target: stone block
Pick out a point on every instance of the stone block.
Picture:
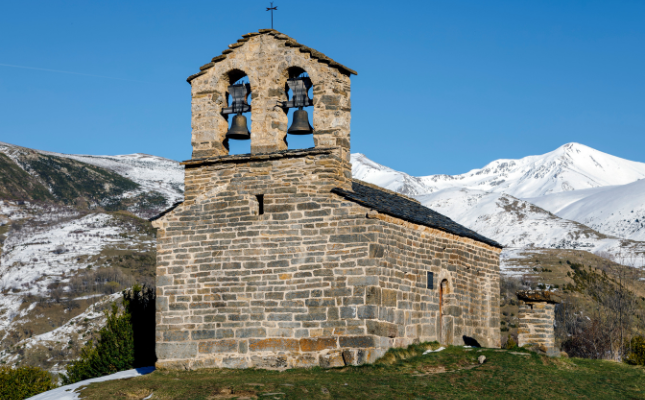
(332, 359)
(169, 351)
(380, 328)
(367, 312)
(218, 346)
(305, 361)
(362, 281)
(373, 295)
(348, 312)
(276, 345)
(357, 341)
(175, 336)
(235, 362)
(250, 333)
(203, 334)
(270, 362)
(388, 297)
(349, 357)
(318, 344)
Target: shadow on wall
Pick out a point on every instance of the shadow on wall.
(468, 341)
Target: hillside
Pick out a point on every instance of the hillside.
(71, 237)
(144, 185)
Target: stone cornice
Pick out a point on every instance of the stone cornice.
(238, 158)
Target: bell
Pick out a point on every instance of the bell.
(238, 130)
(300, 125)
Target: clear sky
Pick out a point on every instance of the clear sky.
(442, 86)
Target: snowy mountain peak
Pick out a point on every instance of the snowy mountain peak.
(572, 166)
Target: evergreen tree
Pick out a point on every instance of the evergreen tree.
(112, 352)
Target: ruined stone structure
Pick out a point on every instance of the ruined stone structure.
(279, 259)
(536, 317)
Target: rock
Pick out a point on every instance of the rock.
(481, 359)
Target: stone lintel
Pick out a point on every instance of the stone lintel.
(538, 296)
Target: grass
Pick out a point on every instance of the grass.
(450, 374)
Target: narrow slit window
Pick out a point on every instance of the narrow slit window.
(430, 283)
(260, 198)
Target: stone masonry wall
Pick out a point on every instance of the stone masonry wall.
(409, 311)
(536, 321)
(312, 280)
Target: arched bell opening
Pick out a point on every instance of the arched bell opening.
(299, 109)
(238, 113)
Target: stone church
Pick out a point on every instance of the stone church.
(278, 258)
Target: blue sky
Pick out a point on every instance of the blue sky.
(442, 87)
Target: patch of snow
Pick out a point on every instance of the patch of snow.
(72, 392)
(434, 351)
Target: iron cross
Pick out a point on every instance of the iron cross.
(271, 9)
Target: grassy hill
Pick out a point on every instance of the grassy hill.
(454, 373)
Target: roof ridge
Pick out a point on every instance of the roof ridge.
(289, 42)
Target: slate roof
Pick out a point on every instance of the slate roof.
(288, 41)
(392, 204)
(156, 217)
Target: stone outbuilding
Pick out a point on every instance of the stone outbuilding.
(278, 258)
(536, 320)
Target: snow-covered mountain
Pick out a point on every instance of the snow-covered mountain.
(574, 197)
(571, 167)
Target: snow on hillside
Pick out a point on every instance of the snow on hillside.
(518, 224)
(555, 202)
(510, 221)
(51, 243)
(153, 173)
(31, 253)
(619, 211)
(75, 329)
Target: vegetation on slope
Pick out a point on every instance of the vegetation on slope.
(454, 373)
(16, 184)
(21, 383)
(73, 182)
(602, 301)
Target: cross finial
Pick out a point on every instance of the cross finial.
(271, 9)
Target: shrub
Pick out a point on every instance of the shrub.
(21, 383)
(510, 343)
(112, 352)
(637, 351)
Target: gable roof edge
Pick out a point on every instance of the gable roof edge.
(289, 42)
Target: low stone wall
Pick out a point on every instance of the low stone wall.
(536, 320)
